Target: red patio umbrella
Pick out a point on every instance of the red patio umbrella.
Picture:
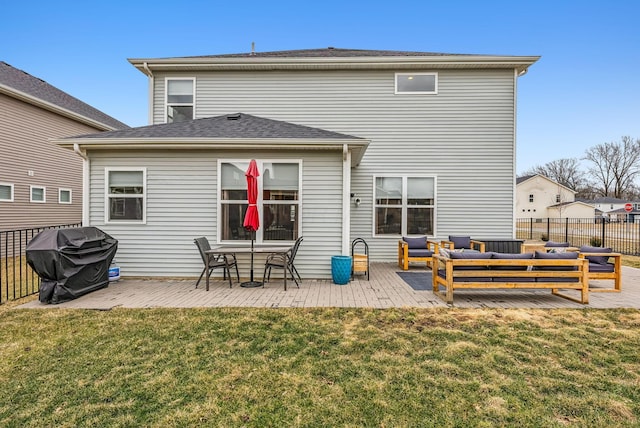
(252, 218)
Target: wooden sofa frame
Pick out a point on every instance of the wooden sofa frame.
(403, 254)
(452, 278)
(616, 275)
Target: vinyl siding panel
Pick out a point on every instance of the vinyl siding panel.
(464, 135)
(25, 131)
(181, 205)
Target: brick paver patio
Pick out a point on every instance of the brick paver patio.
(385, 290)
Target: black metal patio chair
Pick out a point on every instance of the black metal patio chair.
(284, 262)
(224, 261)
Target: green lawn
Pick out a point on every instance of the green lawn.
(319, 367)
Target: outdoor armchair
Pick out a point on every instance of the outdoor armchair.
(223, 261)
(418, 249)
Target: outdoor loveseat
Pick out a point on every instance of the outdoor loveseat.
(539, 270)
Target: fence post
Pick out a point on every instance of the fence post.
(548, 229)
(603, 231)
(566, 229)
(531, 228)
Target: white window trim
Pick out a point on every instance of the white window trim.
(107, 195)
(44, 194)
(260, 202)
(435, 87)
(60, 190)
(12, 190)
(404, 206)
(166, 96)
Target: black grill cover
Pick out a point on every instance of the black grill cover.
(71, 262)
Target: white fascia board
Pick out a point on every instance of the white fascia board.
(521, 63)
(357, 147)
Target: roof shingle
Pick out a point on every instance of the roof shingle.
(22, 81)
(231, 126)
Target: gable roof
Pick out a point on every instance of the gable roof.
(230, 131)
(21, 85)
(562, 204)
(332, 59)
(524, 178)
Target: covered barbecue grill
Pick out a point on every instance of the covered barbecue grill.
(71, 262)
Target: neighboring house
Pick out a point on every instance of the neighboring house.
(612, 208)
(607, 204)
(540, 197)
(350, 143)
(40, 182)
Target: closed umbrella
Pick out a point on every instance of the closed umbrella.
(251, 218)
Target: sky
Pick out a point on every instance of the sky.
(584, 90)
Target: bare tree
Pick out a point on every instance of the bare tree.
(615, 166)
(566, 172)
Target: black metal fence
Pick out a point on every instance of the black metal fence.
(622, 236)
(17, 279)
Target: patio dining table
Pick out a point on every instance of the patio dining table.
(256, 249)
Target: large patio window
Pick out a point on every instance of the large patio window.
(278, 201)
(404, 205)
(126, 195)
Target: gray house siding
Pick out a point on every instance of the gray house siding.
(463, 136)
(25, 131)
(181, 205)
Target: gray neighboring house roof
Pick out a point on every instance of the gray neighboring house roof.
(607, 200)
(20, 84)
(523, 178)
(229, 131)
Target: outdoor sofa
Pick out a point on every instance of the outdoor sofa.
(539, 270)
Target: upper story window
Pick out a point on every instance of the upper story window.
(38, 194)
(126, 195)
(180, 99)
(404, 205)
(558, 198)
(416, 83)
(6, 192)
(279, 189)
(531, 198)
(64, 196)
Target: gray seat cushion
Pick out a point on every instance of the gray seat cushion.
(420, 253)
(556, 256)
(601, 268)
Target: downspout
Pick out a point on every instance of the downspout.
(149, 73)
(346, 199)
(85, 183)
(516, 74)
